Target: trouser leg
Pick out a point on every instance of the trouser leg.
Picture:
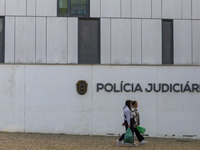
(126, 126)
(122, 137)
(138, 135)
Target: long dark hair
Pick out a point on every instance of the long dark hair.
(128, 103)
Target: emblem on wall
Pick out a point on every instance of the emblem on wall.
(81, 87)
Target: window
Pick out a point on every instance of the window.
(167, 42)
(73, 8)
(89, 41)
(62, 8)
(1, 40)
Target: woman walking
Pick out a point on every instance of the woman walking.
(128, 120)
(136, 115)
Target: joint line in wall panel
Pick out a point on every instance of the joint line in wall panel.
(192, 43)
(110, 41)
(35, 39)
(131, 42)
(141, 43)
(46, 39)
(151, 9)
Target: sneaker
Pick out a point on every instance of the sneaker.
(118, 142)
(143, 142)
(123, 142)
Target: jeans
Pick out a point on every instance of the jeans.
(132, 122)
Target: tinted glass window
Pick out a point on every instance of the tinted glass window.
(79, 7)
(74, 8)
(62, 8)
(89, 41)
(1, 40)
(167, 42)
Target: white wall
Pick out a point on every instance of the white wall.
(121, 41)
(126, 8)
(110, 8)
(151, 41)
(126, 41)
(109, 105)
(35, 39)
(16, 7)
(136, 41)
(182, 42)
(166, 9)
(10, 40)
(41, 40)
(57, 40)
(52, 105)
(31, 9)
(105, 41)
(46, 7)
(156, 8)
(171, 106)
(43, 98)
(196, 43)
(2, 7)
(195, 9)
(171, 9)
(72, 40)
(25, 40)
(186, 9)
(141, 9)
(95, 8)
(12, 99)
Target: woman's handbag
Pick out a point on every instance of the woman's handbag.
(141, 129)
(128, 137)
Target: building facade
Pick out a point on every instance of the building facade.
(146, 50)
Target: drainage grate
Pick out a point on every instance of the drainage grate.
(189, 135)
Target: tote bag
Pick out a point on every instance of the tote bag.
(141, 129)
(128, 137)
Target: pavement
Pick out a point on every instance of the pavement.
(37, 141)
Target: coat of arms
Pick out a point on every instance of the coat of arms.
(81, 87)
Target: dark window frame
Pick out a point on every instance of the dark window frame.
(99, 44)
(87, 15)
(170, 53)
(2, 55)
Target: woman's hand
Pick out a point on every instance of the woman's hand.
(129, 126)
(135, 125)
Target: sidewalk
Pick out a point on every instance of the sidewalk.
(21, 141)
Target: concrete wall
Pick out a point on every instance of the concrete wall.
(182, 44)
(195, 41)
(43, 98)
(121, 49)
(130, 31)
(34, 40)
(2, 7)
(174, 9)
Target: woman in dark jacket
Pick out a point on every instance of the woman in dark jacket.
(137, 122)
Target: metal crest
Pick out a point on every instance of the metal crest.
(81, 87)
